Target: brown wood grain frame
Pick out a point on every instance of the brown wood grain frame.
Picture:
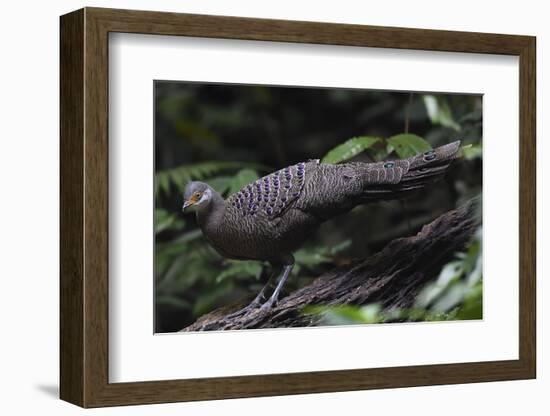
(84, 207)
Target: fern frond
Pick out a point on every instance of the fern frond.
(181, 175)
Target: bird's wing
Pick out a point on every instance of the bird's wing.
(271, 195)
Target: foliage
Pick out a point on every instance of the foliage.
(241, 179)
(407, 145)
(310, 257)
(244, 269)
(180, 175)
(404, 145)
(350, 148)
(164, 221)
(347, 314)
(472, 151)
(439, 111)
(455, 282)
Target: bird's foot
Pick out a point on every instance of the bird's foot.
(255, 304)
(269, 304)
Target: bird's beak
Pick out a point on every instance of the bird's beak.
(191, 201)
(186, 204)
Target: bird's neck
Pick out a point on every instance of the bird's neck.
(210, 216)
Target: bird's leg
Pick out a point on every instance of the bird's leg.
(257, 300)
(261, 296)
(282, 279)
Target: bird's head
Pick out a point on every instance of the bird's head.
(197, 195)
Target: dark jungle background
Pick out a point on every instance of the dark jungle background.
(228, 135)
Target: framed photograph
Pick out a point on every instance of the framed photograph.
(255, 207)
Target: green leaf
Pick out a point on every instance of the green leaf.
(458, 286)
(371, 314)
(185, 238)
(166, 221)
(471, 151)
(162, 184)
(338, 248)
(241, 179)
(220, 183)
(379, 153)
(439, 112)
(407, 145)
(240, 270)
(347, 314)
(452, 297)
(181, 175)
(349, 149)
(449, 273)
(309, 257)
(473, 304)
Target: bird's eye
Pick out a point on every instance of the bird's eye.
(197, 195)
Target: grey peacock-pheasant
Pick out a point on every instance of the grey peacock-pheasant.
(272, 217)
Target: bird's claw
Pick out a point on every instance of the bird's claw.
(254, 305)
(250, 307)
(268, 305)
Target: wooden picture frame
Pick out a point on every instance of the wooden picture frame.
(84, 207)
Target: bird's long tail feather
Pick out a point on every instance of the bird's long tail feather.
(402, 177)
